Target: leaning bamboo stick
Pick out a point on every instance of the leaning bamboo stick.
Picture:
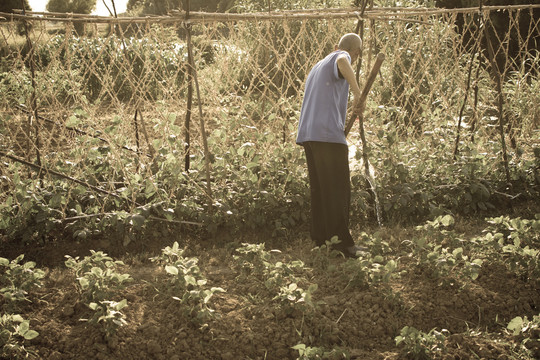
(358, 112)
(361, 104)
(44, 170)
(88, 216)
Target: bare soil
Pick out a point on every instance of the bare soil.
(362, 322)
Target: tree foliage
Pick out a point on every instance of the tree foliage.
(7, 6)
(74, 6)
(520, 37)
(140, 7)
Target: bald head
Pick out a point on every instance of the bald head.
(350, 42)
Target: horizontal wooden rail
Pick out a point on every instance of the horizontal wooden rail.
(177, 16)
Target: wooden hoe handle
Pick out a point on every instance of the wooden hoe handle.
(361, 104)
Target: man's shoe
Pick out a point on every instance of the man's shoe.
(354, 251)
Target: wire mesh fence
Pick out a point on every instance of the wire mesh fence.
(82, 93)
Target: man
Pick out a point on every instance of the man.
(321, 133)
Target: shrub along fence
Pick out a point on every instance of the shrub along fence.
(190, 118)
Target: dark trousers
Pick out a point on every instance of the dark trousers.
(330, 185)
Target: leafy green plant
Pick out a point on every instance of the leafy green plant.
(29, 211)
(187, 279)
(522, 325)
(184, 272)
(418, 345)
(438, 230)
(375, 244)
(279, 273)
(446, 263)
(98, 284)
(253, 258)
(308, 352)
(323, 254)
(14, 330)
(294, 296)
(258, 262)
(197, 303)
(97, 259)
(312, 353)
(109, 315)
(97, 276)
(368, 270)
(528, 332)
(515, 242)
(164, 56)
(526, 231)
(258, 173)
(98, 281)
(279, 277)
(16, 278)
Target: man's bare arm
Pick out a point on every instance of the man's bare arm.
(347, 71)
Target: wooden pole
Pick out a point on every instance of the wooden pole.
(114, 14)
(136, 125)
(107, 7)
(151, 152)
(201, 118)
(469, 74)
(187, 121)
(477, 76)
(500, 100)
(33, 118)
(114, 9)
(135, 120)
(360, 31)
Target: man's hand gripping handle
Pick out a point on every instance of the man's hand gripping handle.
(358, 111)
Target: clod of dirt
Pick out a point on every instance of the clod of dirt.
(153, 347)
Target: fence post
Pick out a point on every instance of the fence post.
(187, 122)
(33, 96)
(145, 133)
(500, 101)
(120, 33)
(191, 62)
(476, 87)
(469, 74)
(360, 31)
